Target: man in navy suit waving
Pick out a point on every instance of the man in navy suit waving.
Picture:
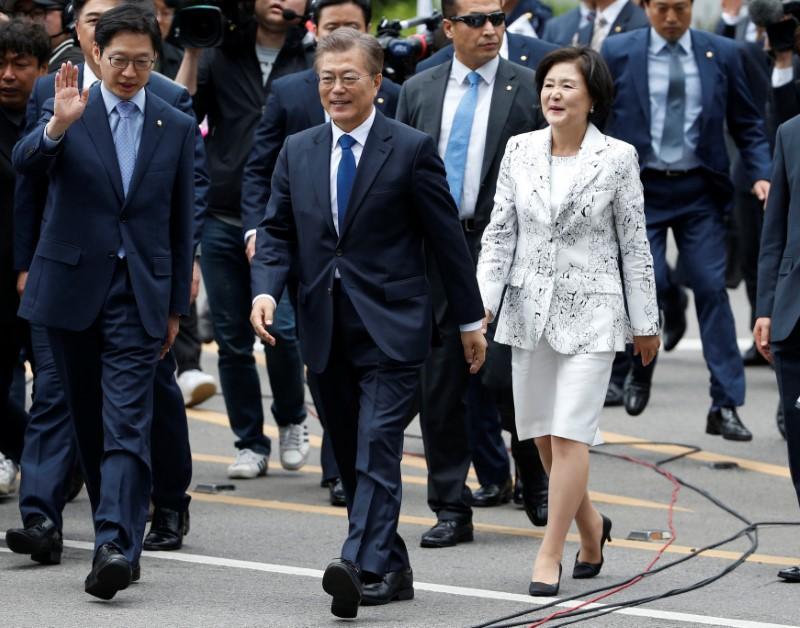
(112, 269)
(353, 203)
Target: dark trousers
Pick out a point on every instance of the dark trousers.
(749, 212)
(330, 470)
(12, 416)
(489, 455)
(685, 205)
(787, 369)
(365, 400)
(226, 272)
(187, 347)
(107, 372)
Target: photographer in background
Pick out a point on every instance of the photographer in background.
(230, 85)
(58, 19)
(785, 42)
(169, 61)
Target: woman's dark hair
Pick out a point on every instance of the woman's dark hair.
(20, 36)
(127, 18)
(595, 74)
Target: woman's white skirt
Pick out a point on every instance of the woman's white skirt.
(558, 394)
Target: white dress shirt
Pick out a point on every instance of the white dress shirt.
(457, 87)
(782, 76)
(89, 77)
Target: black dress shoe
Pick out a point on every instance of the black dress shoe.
(342, 580)
(537, 513)
(492, 495)
(517, 497)
(448, 533)
(726, 422)
(167, 530)
(752, 357)
(583, 570)
(614, 395)
(136, 572)
(780, 420)
(40, 538)
(396, 585)
(111, 572)
(544, 589)
(790, 574)
(637, 395)
(336, 492)
(674, 321)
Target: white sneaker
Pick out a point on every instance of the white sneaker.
(294, 446)
(8, 476)
(196, 387)
(248, 464)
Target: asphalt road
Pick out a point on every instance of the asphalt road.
(255, 555)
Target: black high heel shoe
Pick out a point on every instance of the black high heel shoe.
(544, 589)
(583, 570)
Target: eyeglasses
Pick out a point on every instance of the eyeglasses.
(348, 80)
(122, 63)
(477, 20)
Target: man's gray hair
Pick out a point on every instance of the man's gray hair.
(344, 39)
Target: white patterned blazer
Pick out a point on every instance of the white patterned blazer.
(563, 273)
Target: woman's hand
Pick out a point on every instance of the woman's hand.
(647, 346)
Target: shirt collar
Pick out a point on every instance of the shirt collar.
(658, 43)
(487, 71)
(359, 134)
(612, 11)
(89, 77)
(110, 99)
(504, 47)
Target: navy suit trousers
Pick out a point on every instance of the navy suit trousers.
(685, 205)
(787, 369)
(365, 400)
(107, 372)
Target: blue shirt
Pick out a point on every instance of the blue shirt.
(658, 77)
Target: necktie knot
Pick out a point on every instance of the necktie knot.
(346, 142)
(474, 79)
(675, 49)
(125, 108)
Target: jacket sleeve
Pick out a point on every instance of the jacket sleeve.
(638, 277)
(773, 232)
(182, 221)
(499, 241)
(30, 155)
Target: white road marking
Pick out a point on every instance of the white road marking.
(289, 570)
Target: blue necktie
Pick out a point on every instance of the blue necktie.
(672, 137)
(125, 142)
(345, 176)
(455, 157)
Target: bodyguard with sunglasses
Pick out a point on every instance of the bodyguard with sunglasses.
(470, 106)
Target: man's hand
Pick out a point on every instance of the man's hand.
(69, 103)
(250, 248)
(488, 317)
(761, 190)
(647, 347)
(173, 324)
(22, 279)
(474, 349)
(761, 334)
(195, 281)
(261, 318)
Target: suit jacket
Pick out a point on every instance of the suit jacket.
(726, 98)
(293, 105)
(512, 111)
(630, 18)
(563, 274)
(561, 30)
(31, 204)
(399, 204)
(527, 51)
(9, 134)
(787, 97)
(779, 257)
(90, 218)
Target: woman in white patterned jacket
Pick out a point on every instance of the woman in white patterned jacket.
(568, 245)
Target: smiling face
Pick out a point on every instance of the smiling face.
(132, 47)
(475, 47)
(348, 100)
(565, 96)
(18, 73)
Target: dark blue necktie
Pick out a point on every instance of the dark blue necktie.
(345, 176)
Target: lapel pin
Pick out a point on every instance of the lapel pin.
(381, 101)
(508, 88)
(617, 29)
(709, 54)
(159, 123)
(523, 58)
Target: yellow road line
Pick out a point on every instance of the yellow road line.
(269, 504)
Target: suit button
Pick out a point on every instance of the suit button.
(112, 255)
(339, 252)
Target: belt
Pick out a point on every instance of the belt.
(676, 173)
(469, 225)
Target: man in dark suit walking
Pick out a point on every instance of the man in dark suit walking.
(112, 270)
(777, 328)
(611, 17)
(673, 108)
(352, 205)
(563, 29)
(501, 101)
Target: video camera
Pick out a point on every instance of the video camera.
(208, 23)
(401, 54)
(780, 19)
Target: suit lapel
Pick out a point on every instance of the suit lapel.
(517, 49)
(314, 110)
(95, 119)
(434, 91)
(376, 150)
(319, 168)
(589, 165)
(707, 68)
(152, 131)
(641, 83)
(503, 94)
(621, 22)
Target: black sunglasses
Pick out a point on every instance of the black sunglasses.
(477, 20)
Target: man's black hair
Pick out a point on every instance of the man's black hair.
(23, 37)
(364, 5)
(127, 18)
